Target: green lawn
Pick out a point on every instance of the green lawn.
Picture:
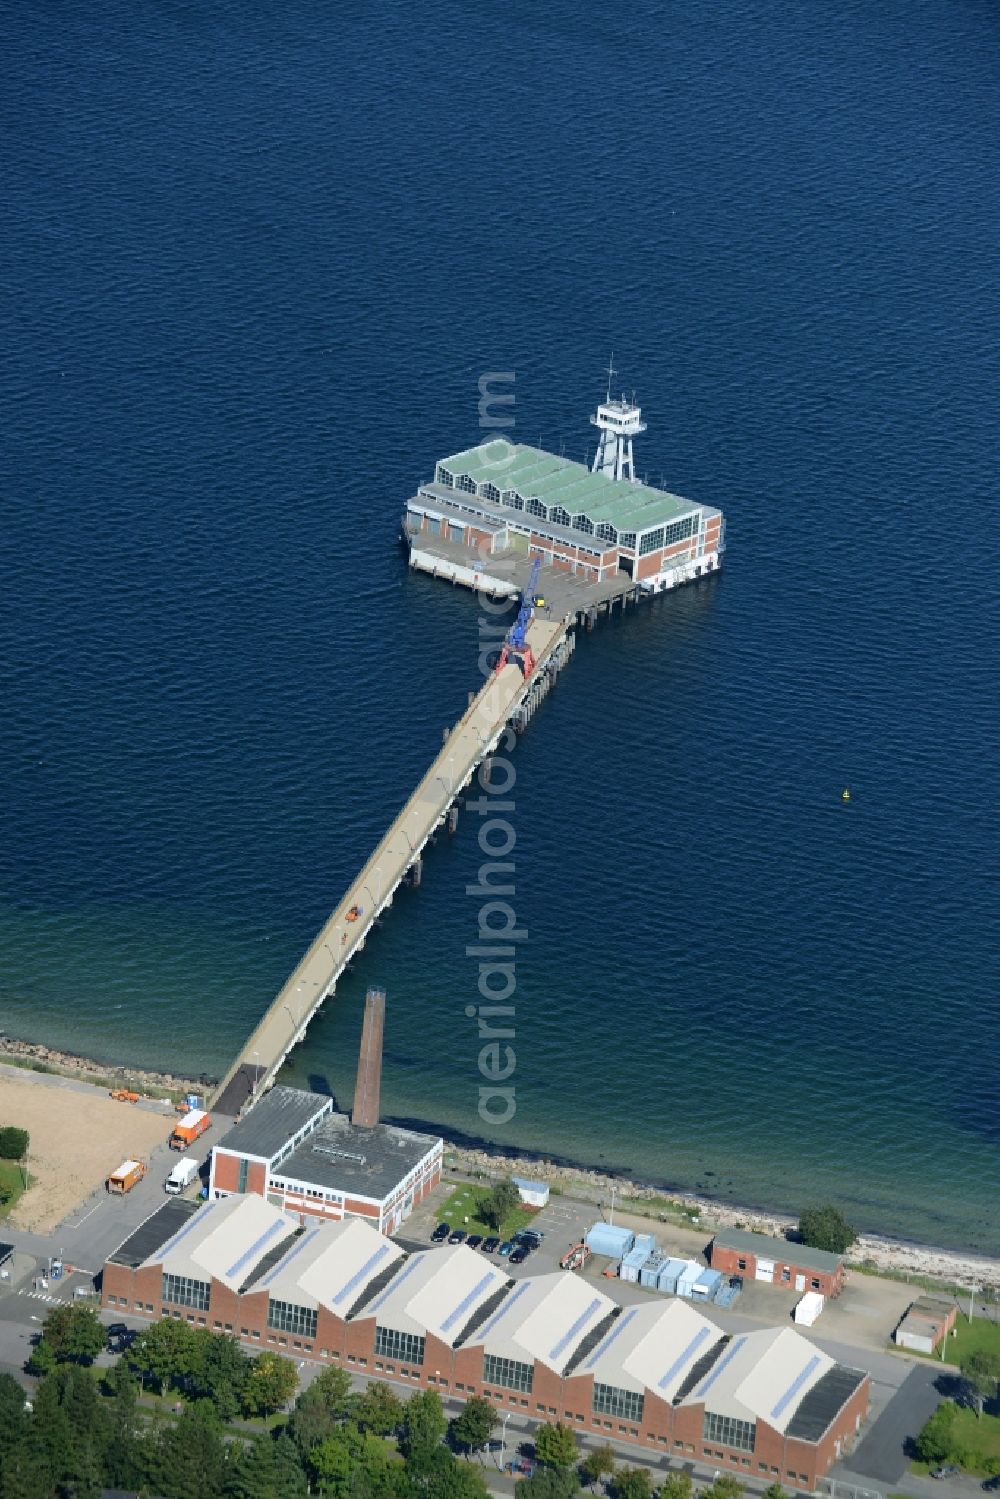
(464, 1204)
(978, 1336)
(12, 1180)
(977, 1442)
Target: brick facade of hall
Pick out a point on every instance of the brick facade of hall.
(674, 1431)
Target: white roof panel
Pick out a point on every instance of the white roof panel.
(436, 1292)
(331, 1265)
(544, 1318)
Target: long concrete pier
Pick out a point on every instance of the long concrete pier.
(507, 698)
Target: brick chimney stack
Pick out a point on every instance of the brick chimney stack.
(369, 1083)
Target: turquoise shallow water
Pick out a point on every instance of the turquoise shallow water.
(249, 283)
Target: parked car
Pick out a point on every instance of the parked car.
(440, 1233)
(507, 1247)
(519, 1254)
(456, 1236)
(474, 1241)
(946, 1470)
(529, 1236)
(117, 1329)
(491, 1245)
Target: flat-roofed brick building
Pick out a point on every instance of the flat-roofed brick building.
(293, 1149)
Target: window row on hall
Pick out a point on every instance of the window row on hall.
(180, 1290)
(665, 536)
(285, 1316)
(609, 1400)
(739, 1435)
(407, 1347)
(508, 1373)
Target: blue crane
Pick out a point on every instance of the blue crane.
(515, 646)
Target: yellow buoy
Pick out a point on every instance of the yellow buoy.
(845, 795)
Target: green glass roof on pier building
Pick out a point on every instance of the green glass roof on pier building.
(559, 483)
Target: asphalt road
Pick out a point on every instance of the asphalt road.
(881, 1454)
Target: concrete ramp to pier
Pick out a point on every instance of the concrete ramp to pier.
(474, 737)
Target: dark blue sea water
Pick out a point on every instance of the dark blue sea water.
(255, 259)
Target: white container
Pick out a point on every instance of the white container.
(809, 1308)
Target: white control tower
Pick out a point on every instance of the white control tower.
(618, 422)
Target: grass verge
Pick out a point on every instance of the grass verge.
(12, 1181)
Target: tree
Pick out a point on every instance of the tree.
(124, 1462)
(424, 1424)
(270, 1381)
(189, 1457)
(331, 1390)
(548, 1483)
(981, 1372)
(13, 1417)
(474, 1425)
(677, 1485)
(555, 1445)
(935, 1442)
(826, 1228)
(165, 1353)
(774, 1491)
(598, 1464)
(633, 1483)
(41, 1360)
(724, 1487)
(497, 1206)
(13, 1143)
(437, 1474)
(216, 1370)
(73, 1333)
(378, 1409)
(263, 1471)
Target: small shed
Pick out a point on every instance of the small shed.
(688, 1277)
(645, 1241)
(926, 1322)
(533, 1194)
(608, 1239)
(706, 1285)
(667, 1278)
(632, 1264)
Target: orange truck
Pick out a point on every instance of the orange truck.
(187, 1130)
(125, 1178)
(124, 1096)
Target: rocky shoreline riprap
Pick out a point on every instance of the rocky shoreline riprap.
(873, 1251)
(34, 1057)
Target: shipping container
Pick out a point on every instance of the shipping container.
(650, 1273)
(632, 1264)
(645, 1241)
(687, 1278)
(706, 1285)
(667, 1278)
(608, 1239)
(809, 1308)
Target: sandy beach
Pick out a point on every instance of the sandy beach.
(78, 1135)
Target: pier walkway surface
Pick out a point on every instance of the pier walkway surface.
(473, 738)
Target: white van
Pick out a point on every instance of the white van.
(183, 1174)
